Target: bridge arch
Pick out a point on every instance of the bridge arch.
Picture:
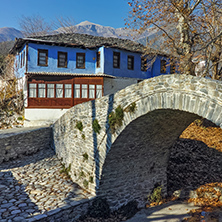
(178, 98)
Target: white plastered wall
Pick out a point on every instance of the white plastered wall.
(114, 85)
(42, 117)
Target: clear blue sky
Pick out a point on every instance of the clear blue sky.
(103, 12)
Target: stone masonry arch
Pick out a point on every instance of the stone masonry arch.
(179, 98)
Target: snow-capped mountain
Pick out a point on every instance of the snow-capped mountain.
(86, 27)
(90, 28)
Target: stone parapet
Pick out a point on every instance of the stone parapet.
(23, 141)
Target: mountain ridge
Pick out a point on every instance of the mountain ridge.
(9, 34)
(85, 27)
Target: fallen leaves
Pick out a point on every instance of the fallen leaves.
(208, 196)
(211, 136)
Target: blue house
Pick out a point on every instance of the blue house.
(67, 69)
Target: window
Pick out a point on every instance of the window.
(77, 91)
(50, 90)
(23, 60)
(84, 91)
(143, 64)
(41, 90)
(80, 60)
(116, 60)
(62, 59)
(130, 62)
(32, 90)
(42, 57)
(98, 91)
(59, 90)
(18, 64)
(68, 90)
(91, 91)
(163, 66)
(98, 60)
(172, 67)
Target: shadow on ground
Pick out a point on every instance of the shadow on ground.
(24, 160)
(191, 164)
(14, 201)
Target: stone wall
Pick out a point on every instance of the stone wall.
(86, 151)
(64, 214)
(23, 141)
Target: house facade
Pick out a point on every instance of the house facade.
(67, 69)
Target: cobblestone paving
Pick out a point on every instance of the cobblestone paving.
(32, 187)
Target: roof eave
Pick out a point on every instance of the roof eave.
(69, 74)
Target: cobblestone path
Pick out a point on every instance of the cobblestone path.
(32, 187)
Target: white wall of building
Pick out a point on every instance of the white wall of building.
(25, 93)
(42, 117)
(114, 85)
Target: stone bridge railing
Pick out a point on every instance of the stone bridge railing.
(23, 141)
(85, 151)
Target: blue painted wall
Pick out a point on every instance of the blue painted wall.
(20, 70)
(90, 58)
(106, 62)
(123, 71)
(156, 67)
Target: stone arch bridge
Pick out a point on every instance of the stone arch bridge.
(126, 164)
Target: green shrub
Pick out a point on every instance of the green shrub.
(79, 126)
(20, 118)
(85, 156)
(91, 179)
(81, 174)
(119, 114)
(83, 136)
(198, 122)
(156, 195)
(96, 127)
(132, 107)
(116, 118)
(85, 184)
(66, 170)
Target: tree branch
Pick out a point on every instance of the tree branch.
(195, 5)
(212, 41)
(166, 34)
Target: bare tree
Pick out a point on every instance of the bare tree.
(37, 26)
(64, 24)
(181, 23)
(211, 44)
(10, 95)
(34, 26)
